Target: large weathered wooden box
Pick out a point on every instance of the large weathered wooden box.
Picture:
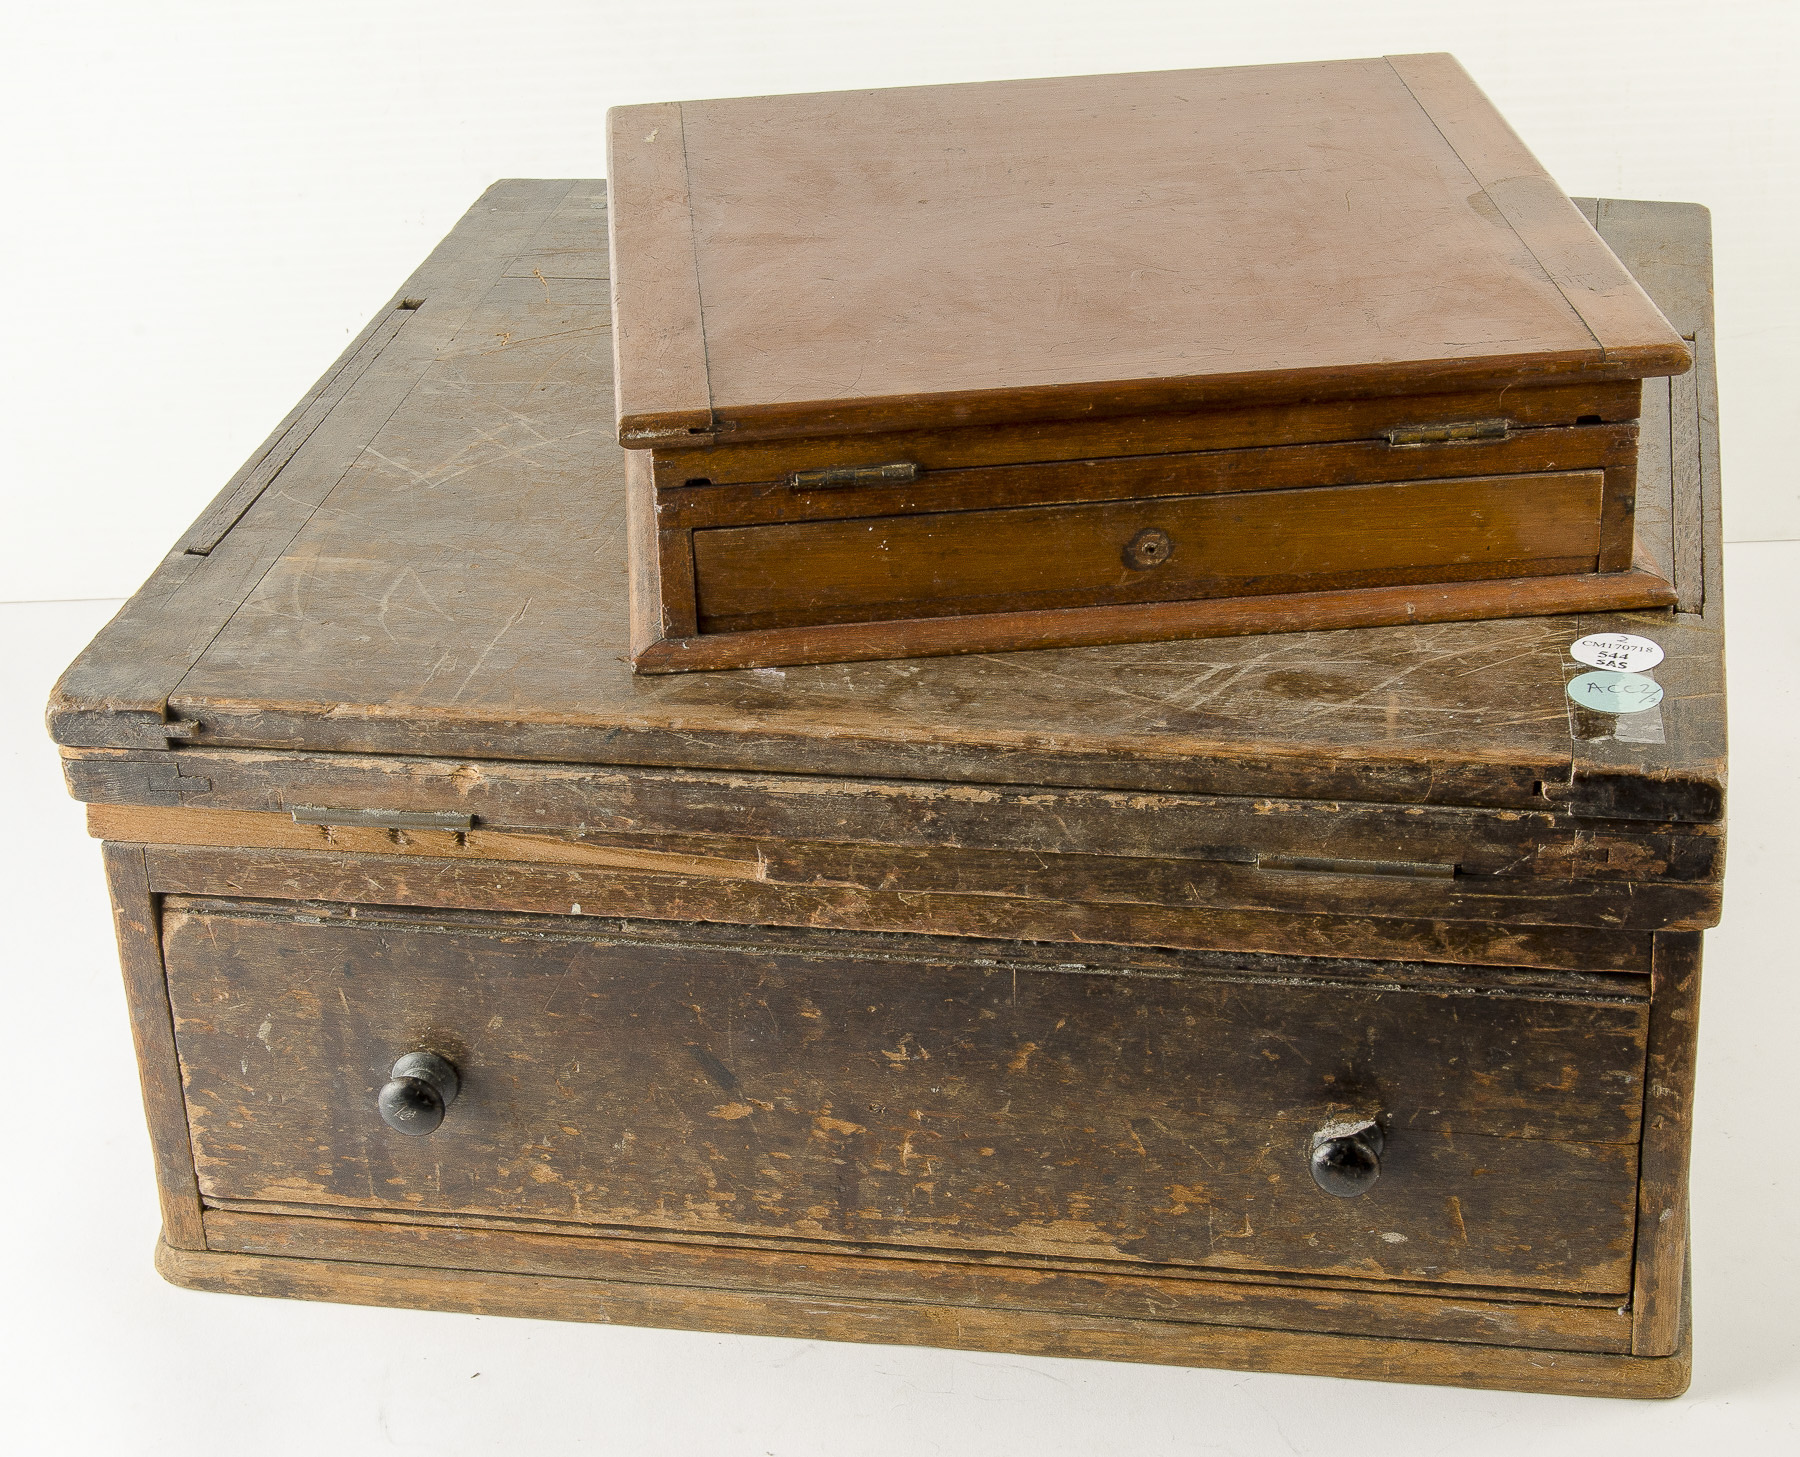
(1005, 1002)
(1113, 359)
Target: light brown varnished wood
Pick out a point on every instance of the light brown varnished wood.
(1360, 227)
(1154, 621)
(1571, 1373)
(1136, 476)
(1420, 250)
(1260, 543)
(1530, 410)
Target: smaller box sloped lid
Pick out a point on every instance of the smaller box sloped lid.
(1045, 249)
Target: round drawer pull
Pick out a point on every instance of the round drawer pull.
(421, 1086)
(1346, 1157)
(1149, 548)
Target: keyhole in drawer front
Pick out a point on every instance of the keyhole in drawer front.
(1149, 548)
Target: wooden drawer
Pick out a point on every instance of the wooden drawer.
(914, 1093)
(1167, 549)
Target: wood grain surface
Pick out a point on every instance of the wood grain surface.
(485, 627)
(986, 1281)
(493, 885)
(645, 807)
(1270, 881)
(1256, 543)
(1570, 1373)
(708, 1089)
(920, 256)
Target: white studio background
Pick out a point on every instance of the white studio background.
(208, 200)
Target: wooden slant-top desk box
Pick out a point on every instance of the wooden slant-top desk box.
(1114, 359)
(998, 1001)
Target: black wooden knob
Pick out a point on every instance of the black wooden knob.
(420, 1087)
(1346, 1157)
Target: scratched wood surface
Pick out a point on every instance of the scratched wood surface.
(444, 570)
(925, 1323)
(937, 1103)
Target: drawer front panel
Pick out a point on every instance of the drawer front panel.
(916, 1100)
(945, 563)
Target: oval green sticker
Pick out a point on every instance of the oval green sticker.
(1613, 692)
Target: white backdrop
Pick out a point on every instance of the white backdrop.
(207, 200)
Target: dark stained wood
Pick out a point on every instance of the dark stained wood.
(964, 1107)
(644, 807)
(1659, 1288)
(775, 1313)
(992, 1282)
(138, 660)
(136, 922)
(1307, 885)
(260, 472)
(1683, 750)
(933, 949)
(346, 644)
(940, 564)
(1253, 833)
(562, 890)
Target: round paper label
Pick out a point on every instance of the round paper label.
(1621, 650)
(1616, 692)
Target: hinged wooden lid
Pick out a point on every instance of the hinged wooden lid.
(1026, 250)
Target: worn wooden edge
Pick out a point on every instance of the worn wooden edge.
(1144, 475)
(137, 922)
(841, 945)
(1597, 287)
(1659, 1281)
(743, 423)
(242, 491)
(537, 798)
(1050, 878)
(925, 1324)
(1158, 621)
(116, 691)
(393, 880)
(1670, 246)
(1552, 410)
(1340, 1306)
(660, 377)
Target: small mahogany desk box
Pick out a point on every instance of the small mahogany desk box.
(1111, 359)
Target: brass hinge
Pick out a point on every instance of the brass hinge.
(854, 475)
(1452, 434)
(382, 819)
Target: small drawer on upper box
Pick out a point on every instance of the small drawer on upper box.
(1164, 549)
(911, 1092)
